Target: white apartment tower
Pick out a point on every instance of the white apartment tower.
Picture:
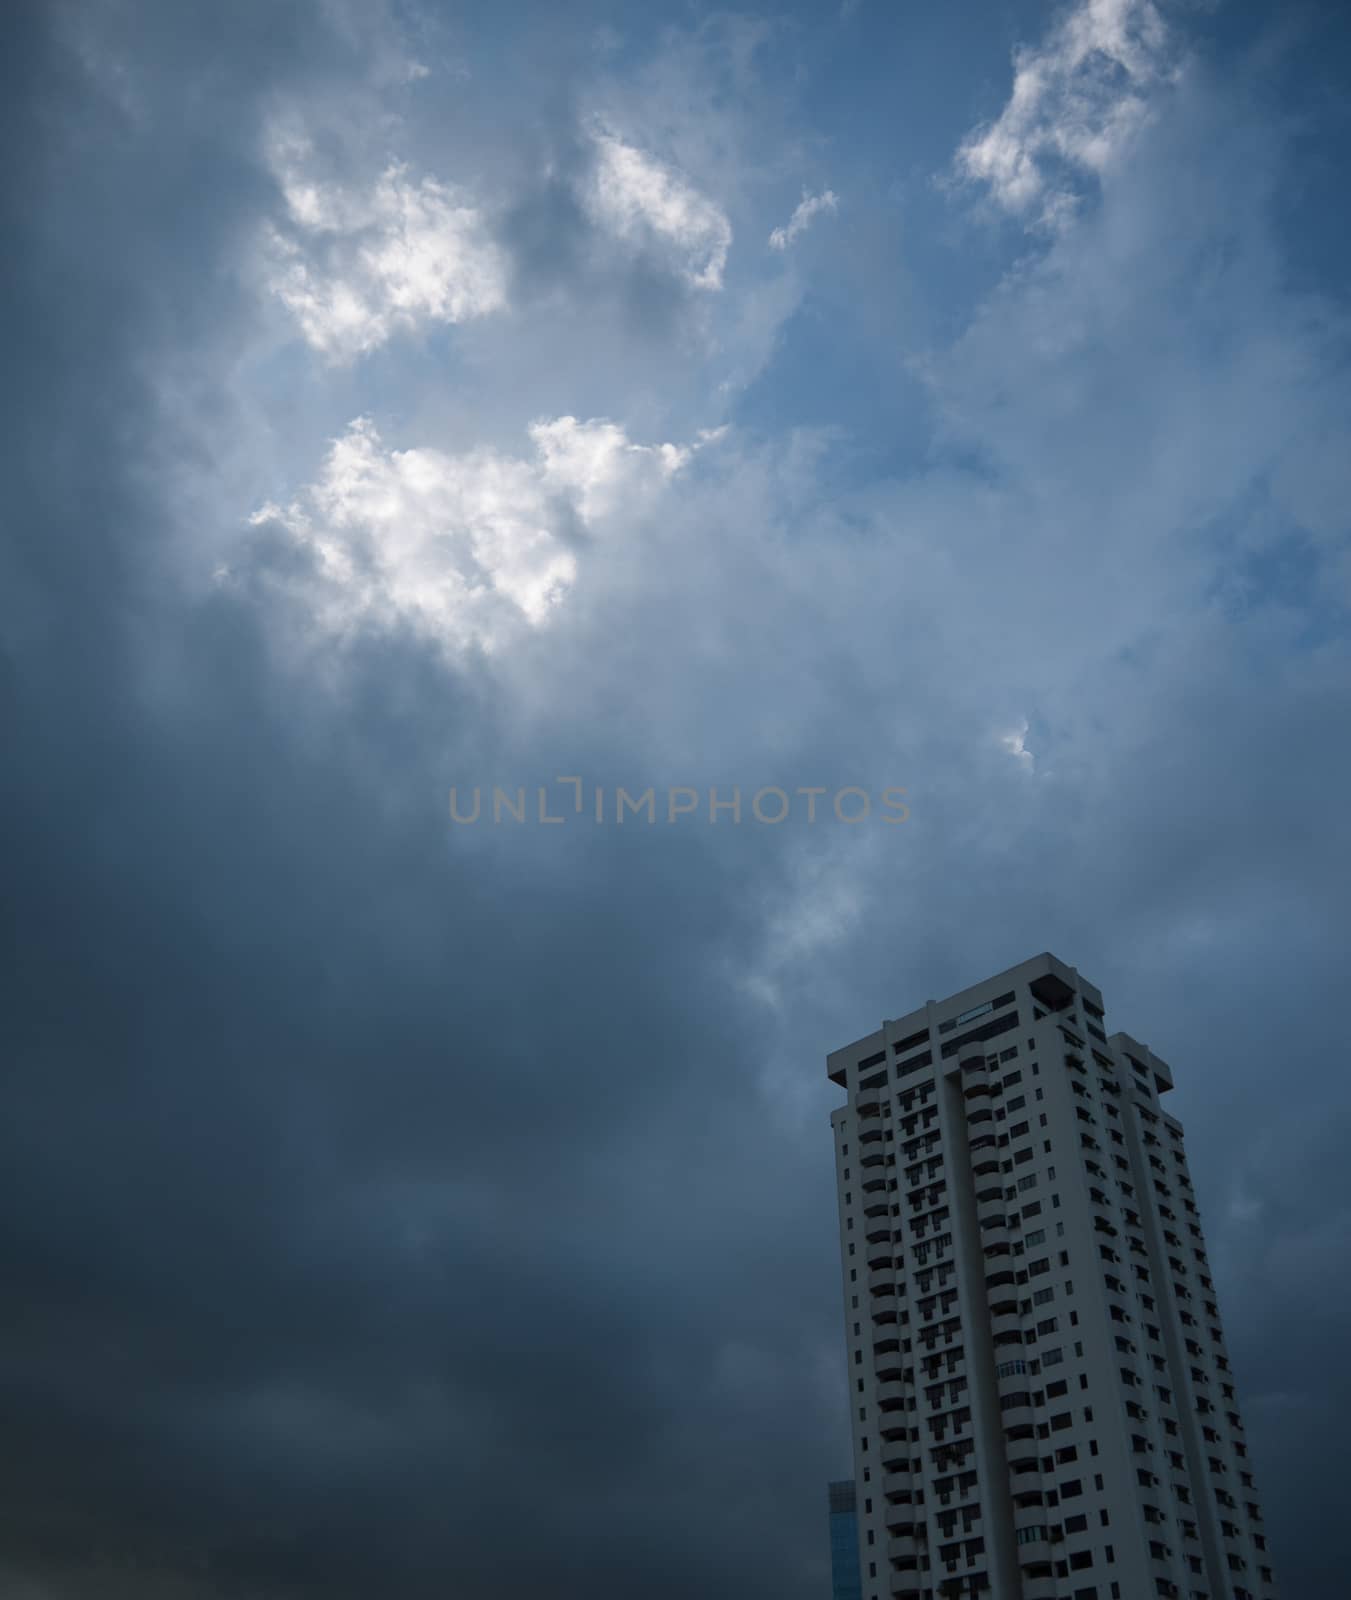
(1042, 1403)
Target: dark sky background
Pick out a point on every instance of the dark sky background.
(395, 1208)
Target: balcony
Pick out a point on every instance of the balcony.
(903, 1550)
(882, 1280)
(1018, 1420)
(891, 1395)
(1006, 1327)
(1014, 1382)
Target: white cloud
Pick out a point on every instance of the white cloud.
(355, 263)
(1015, 742)
(807, 210)
(636, 198)
(1076, 102)
(462, 548)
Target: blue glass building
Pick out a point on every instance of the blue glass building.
(845, 1582)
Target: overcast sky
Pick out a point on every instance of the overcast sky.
(876, 395)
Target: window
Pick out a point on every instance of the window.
(1071, 1489)
(1041, 1297)
(1036, 1268)
(1036, 1236)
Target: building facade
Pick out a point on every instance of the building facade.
(845, 1583)
(1041, 1397)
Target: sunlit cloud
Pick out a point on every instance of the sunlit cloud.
(461, 548)
(639, 200)
(809, 208)
(1077, 100)
(355, 263)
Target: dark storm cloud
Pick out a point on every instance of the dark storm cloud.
(340, 1215)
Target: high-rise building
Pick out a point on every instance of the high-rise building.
(1041, 1398)
(844, 1569)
